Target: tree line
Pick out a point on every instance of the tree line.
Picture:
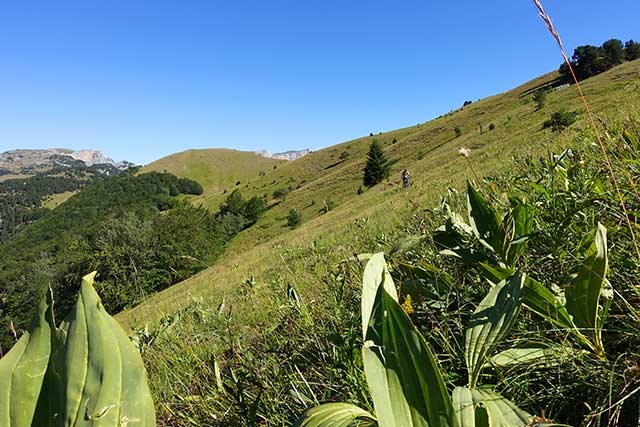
(589, 60)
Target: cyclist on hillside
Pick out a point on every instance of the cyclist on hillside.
(405, 178)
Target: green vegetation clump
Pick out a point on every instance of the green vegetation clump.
(458, 131)
(329, 205)
(560, 120)
(294, 219)
(377, 167)
(540, 98)
(281, 193)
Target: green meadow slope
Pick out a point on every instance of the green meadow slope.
(429, 151)
(273, 327)
(216, 169)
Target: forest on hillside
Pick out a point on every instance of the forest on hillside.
(135, 231)
(21, 199)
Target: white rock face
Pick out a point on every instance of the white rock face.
(92, 157)
(287, 155)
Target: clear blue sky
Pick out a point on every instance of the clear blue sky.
(143, 79)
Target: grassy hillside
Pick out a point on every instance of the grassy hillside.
(216, 169)
(429, 151)
(280, 307)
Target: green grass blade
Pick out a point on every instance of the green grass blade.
(336, 415)
(404, 378)
(586, 289)
(490, 323)
(23, 368)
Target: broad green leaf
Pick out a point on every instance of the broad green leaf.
(486, 408)
(490, 323)
(464, 407)
(23, 368)
(336, 415)
(501, 412)
(542, 301)
(526, 356)
(485, 222)
(375, 273)
(403, 376)
(586, 289)
(95, 376)
(425, 281)
(521, 222)
(536, 297)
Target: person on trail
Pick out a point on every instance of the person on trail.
(405, 178)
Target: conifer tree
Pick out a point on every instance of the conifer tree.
(377, 167)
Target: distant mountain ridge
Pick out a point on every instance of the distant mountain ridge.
(38, 160)
(287, 155)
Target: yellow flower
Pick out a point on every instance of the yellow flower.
(406, 306)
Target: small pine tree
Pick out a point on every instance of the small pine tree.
(377, 167)
(458, 131)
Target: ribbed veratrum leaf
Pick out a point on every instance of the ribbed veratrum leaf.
(95, 376)
(490, 322)
(22, 370)
(375, 274)
(336, 415)
(403, 376)
(537, 355)
(464, 407)
(485, 222)
(586, 289)
(521, 222)
(486, 408)
(500, 412)
(536, 297)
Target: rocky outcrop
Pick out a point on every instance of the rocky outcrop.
(287, 155)
(29, 161)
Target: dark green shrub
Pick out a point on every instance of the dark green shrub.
(294, 219)
(254, 209)
(281, 193)
(540, 98)
(560, 120)
(458, 131)
(492, 126)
